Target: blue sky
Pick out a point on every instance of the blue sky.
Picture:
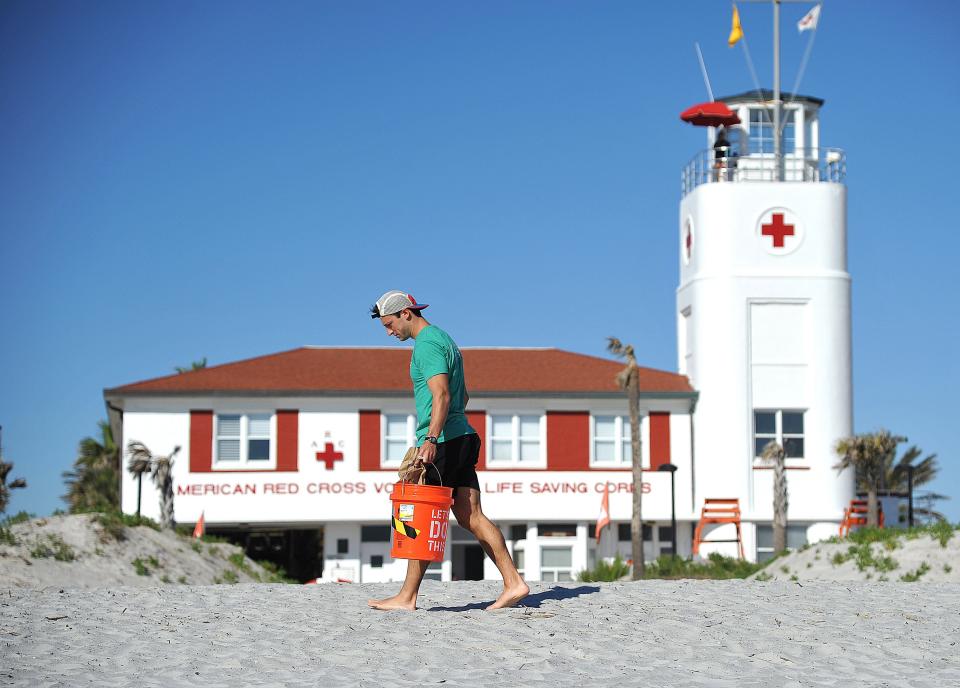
(190, 179)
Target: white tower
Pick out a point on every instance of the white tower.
(764, 318)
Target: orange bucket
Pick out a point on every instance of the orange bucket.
(420, 517)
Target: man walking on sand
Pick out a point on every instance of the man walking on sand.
(444, 439)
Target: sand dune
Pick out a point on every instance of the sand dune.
(77, 552)
(920, 559)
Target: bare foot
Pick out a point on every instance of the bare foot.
(510, 596)
(392, 603)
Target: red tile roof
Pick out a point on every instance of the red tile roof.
(386, 370)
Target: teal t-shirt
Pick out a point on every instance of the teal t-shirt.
(435, 353)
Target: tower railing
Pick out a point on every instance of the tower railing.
(723, 164)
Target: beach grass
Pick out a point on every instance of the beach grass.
(114, 524)
(942, 531)
(715, 567)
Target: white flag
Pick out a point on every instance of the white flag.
(809, 20)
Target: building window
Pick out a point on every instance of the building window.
(243, 440)
(343, 545)
(518, 560)
(780, 426)
(556, 564)
(611, 441)
(761, 130)
(434, 572)
(399, 434)
(665, 534)
(796, 538)
(556, 530)
(623, 532)
(374, 533)
(515, 440)
(518, 532)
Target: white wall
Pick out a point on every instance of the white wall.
(737, 364)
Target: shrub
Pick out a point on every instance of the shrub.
(230, 576)
(53, 546)
(19, 517)
(605, 571)
(239, 560)
(140, 567)
(942, 531)
(275, 573)
(716, 567)
(914, 576)
(114, 524)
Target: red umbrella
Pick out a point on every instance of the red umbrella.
(713, 114)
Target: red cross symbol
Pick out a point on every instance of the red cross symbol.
(777, 229)
(328, 456)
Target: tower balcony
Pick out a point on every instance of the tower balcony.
(724, 165)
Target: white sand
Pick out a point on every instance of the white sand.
(653, 633)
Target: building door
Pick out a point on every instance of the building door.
(466, 561)
(473, 562)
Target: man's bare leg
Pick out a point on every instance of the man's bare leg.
(407, 597)
(466, 508)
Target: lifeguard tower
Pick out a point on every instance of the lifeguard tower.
(763, 314)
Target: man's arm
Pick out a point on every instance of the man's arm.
(439, 386)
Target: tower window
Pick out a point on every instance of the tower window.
(761, 130)
(781, 426)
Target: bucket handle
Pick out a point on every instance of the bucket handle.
(404, 481)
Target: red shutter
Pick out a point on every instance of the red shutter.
(288, 428)
(659, 439)
(369, 440)
(478, 421)
(568, 440)
(201, 441)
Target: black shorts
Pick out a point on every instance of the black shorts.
(456, 463)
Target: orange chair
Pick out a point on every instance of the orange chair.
(856, 515)
(717, 511)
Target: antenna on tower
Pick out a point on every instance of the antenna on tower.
(703, 70)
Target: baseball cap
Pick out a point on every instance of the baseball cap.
(394, 302)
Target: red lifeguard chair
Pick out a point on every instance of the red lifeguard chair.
(855, 515)
(718, 511)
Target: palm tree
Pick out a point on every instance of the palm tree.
(629, 380)
(137, 466)
(94, 482)
(895, 478)
(895, 474)
(5, 487)
(161, 471)
(869, 455)
(196, 365)
(774, 453)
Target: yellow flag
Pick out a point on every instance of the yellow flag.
(736, 33)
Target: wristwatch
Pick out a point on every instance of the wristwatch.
(430, 438)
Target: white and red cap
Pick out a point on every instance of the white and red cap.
(394, 302)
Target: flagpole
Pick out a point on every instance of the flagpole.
(777, 152)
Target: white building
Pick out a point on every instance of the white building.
(294, 454)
